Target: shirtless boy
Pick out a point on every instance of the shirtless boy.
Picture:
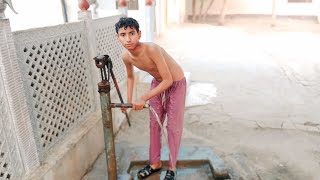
(167, 94)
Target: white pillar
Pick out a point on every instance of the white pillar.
(274, 12)
(160, 16)
(182, 11)
(150, 20)
(84, 14)
(14, 99)
(318, 10)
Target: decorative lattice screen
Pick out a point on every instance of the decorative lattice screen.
(10, 162)
(107, 43)
(55, 66)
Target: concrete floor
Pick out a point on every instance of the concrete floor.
(263, 119)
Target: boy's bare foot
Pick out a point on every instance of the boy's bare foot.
(156, 165)
(172, 168)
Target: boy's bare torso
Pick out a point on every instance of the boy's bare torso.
(144, 62)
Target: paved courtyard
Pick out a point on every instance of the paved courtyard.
(254, 96)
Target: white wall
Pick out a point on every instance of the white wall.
(173, 11)
(258, 7)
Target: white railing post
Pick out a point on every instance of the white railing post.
(20, 139)
(85, 15)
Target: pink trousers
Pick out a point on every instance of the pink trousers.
(170, 103)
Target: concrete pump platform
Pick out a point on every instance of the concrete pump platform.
(193, 163)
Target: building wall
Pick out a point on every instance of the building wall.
(263, 7)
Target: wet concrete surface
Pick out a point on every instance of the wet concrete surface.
(194, 162)
(263, 118)
(202, 172)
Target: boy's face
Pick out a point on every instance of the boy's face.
(129, 37)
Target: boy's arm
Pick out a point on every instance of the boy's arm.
(158, 59)
(130, 78)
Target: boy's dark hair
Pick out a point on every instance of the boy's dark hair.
(127, 22)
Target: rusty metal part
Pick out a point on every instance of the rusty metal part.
(125, 105)
(105, 101)
(108, 131)
(103, 86)
(119, 93)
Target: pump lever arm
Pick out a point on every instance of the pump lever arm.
(125, 105)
